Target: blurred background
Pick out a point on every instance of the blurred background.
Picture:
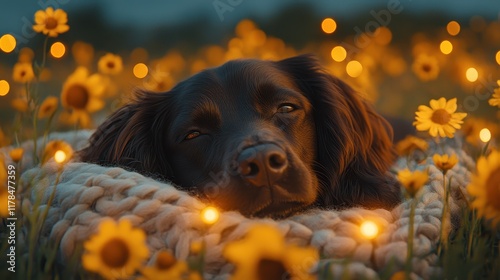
(398, 54)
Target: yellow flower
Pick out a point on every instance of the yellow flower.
(410, 144)
(16, 154)
(485, 187)
(81, 93)
(413, 181)
(473, 126)
(110, 64)
(23, 72)
(495, 98)
(48, 107)
(57, 145)
(4, 194)
(50, 22)
(196, 247)
(440, 118)
(426, 67)
(445, 162)
(116, 251)
(166, 267)
(263, 254)
(20, 104)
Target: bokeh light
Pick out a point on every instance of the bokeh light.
(485, 135)
(446, 47)
(383, 35)
(210, 215)
(453, 28)
(497, 57)
(4, 87)
(7, 43)
(60, 156)
(328, 25)
(338, 53)
(140, 70)
(354, 68)
(471, 74)
(57, 50)
(369, 229)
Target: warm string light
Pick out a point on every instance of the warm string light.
(369, 229)
(453, 28)
(471, 74)
(57, 50)
(328, 25)
(7, 43)
(210, 215)
(4, 87)
(59, 156)
(140, 70)
(354, 68)
(446, 47)
(338, 53)
(497, 57)
(485, 135)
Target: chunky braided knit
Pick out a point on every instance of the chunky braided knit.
(88, 193)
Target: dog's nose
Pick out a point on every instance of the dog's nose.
(263, 164)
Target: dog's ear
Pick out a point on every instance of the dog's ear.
(133, 136)
(354, 143)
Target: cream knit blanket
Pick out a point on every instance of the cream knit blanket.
(88, 193)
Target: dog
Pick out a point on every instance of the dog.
(266, 138)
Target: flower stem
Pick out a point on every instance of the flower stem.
(444, 221)
(471, 233)
(409, 253)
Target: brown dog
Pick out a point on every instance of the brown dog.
(261, 137)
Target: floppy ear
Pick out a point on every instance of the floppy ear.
(133, 137)
(354, 143)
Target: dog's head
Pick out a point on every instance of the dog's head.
(256, 136)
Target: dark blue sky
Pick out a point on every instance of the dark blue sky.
(150, 13)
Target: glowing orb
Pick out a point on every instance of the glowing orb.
(60, 156)
(485, 135)
(369, 229)
(210, 215)
(328, 25)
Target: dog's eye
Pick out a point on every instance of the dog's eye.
(192, 135)
(286, 108)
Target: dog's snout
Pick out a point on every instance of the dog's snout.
(263, 164)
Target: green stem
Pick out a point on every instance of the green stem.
(471, 234)
(44, 55)
(409, 253)
(444, 222)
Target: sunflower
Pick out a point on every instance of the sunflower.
(16, 154)
(110, 64)
(166, 267)
(495, 98)
(263, 254)
(410, 144)
(116, 251)
(485, 187)
(50, 22)
(472, 127)
(53, 147)
(445, 162)
(426, 67)
(440, 118)
(23, 72)
(48, 107)
(413, 181)
(81, 93)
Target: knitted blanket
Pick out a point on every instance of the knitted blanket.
(87, 193)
